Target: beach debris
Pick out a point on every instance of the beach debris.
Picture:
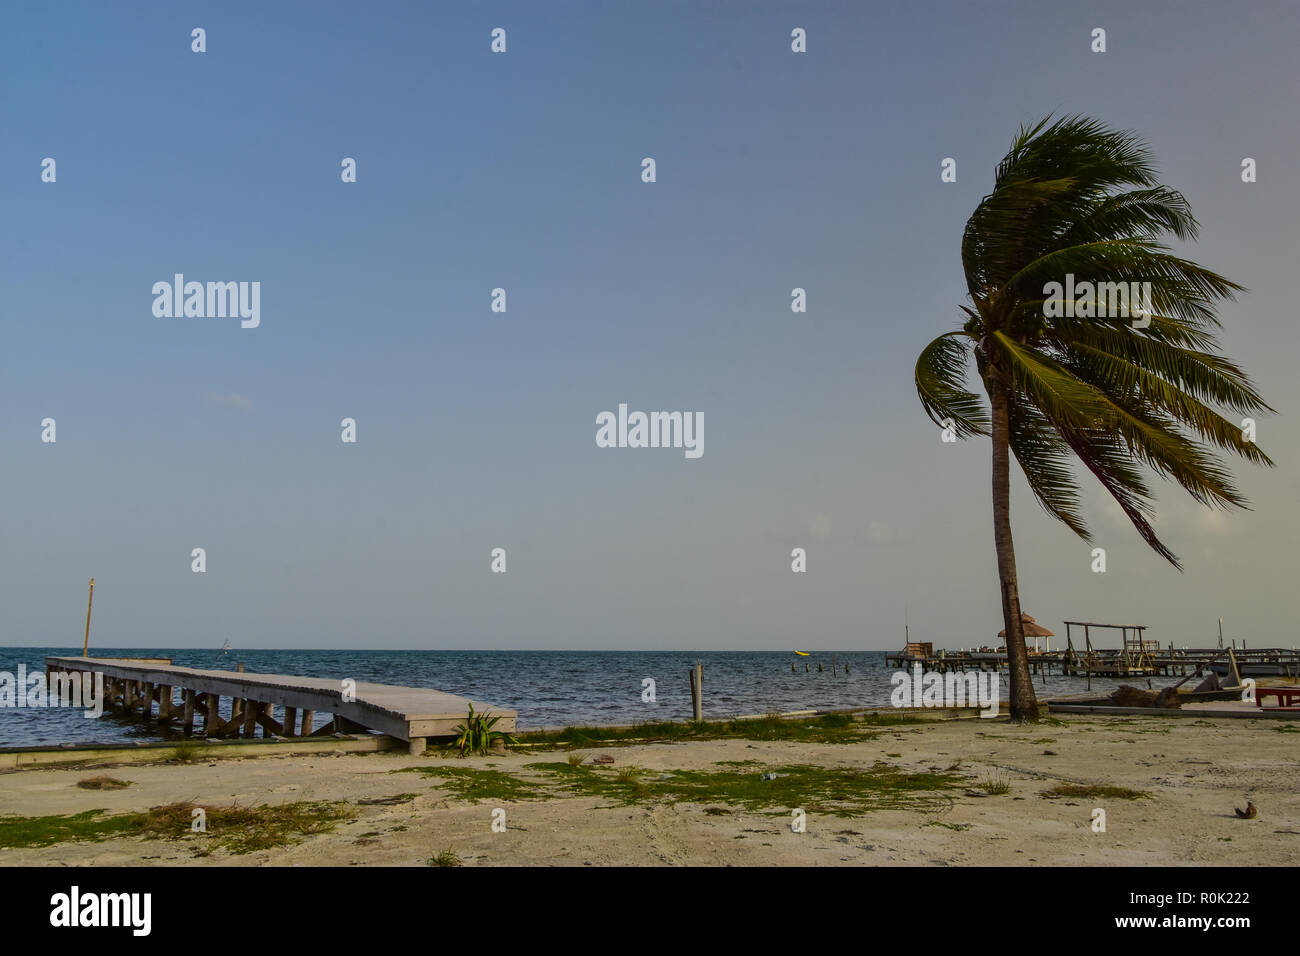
(771, 775)
(1210, 683)
(602, 758)
(103, 783)
(1049, 753)
(1128, 696)
(1247, 814)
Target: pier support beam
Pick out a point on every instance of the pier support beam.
(418, 745)
(211, 718)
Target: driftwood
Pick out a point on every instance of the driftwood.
(1128, 696)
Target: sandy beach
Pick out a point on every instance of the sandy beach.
(1190, 773)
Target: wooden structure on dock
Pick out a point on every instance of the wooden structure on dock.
(413, 714)
(1135, 657)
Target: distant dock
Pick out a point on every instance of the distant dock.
(135, 685)
(1097, 662)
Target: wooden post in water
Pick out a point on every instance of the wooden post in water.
(697, 691)
(85, 644)
(307, 717)
(250, 718)
(187, 720)
(291, 720)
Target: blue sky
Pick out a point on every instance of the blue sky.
(476, 430)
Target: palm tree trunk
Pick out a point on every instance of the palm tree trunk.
(1023, 703)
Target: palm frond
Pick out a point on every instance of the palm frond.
(941, 385)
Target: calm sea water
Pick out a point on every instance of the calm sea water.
(547, 688)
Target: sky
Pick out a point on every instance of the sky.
(476, 429)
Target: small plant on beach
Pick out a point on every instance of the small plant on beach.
(103, 783)
(576, 759)
(476, 736)
(185, 753)
(996, 784)
(446, 858)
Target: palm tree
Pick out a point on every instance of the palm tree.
(1120, 394)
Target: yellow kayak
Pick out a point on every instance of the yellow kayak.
(802, 653)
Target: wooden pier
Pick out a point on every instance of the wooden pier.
(413, 714)
(1112, 662)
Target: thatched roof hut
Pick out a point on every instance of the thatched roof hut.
(1032, 629)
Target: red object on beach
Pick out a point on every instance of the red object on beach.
(1286, 697)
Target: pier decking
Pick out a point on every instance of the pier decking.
(413, 714)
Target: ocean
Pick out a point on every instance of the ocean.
(547, 688)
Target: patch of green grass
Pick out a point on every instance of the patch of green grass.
(246, 829)
(842, 791)
(828, 728)
(959, 827)
(446, 858)
(185, 752)
(1093, 792)
(471, 783)
(237, 829)
(1287, 729)
(90, 825)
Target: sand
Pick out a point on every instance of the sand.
(1196, 770)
